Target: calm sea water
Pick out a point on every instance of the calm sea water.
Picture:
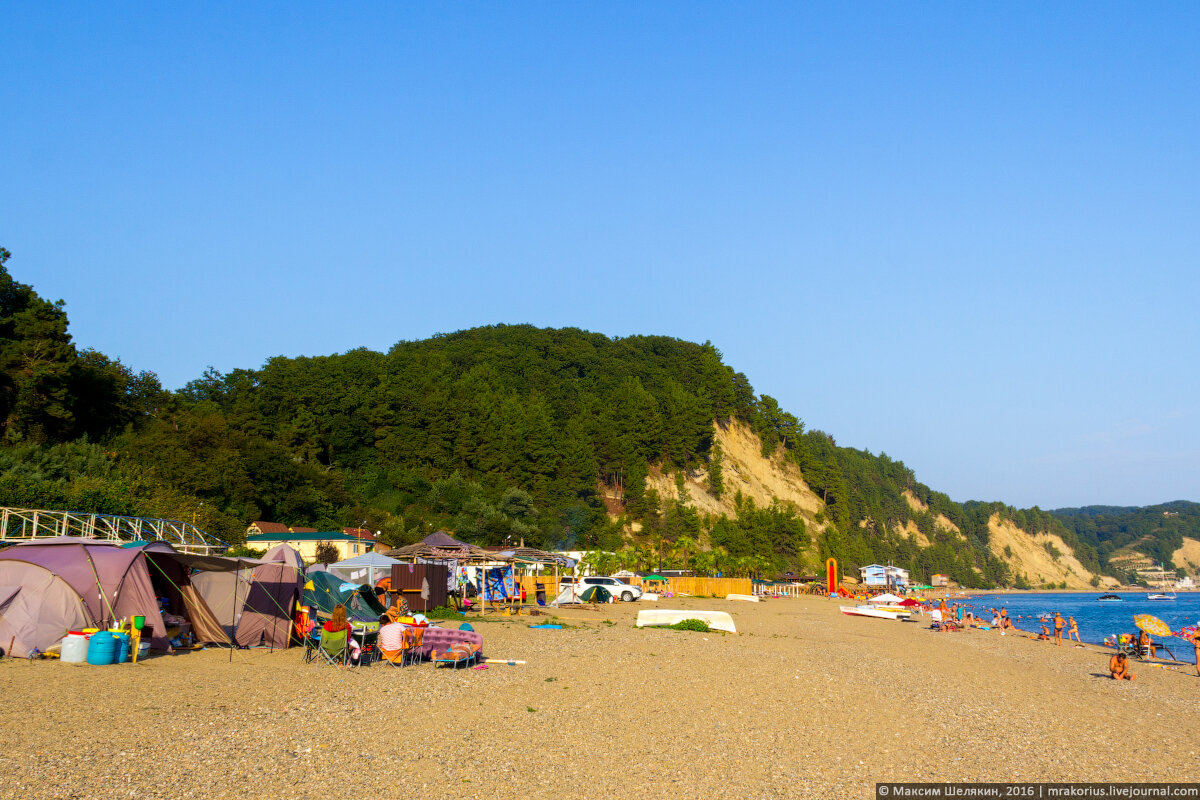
(1096, 620)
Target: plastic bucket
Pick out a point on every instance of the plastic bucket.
(122, 648)
(139, 622)
(74, 648)
(102, 649)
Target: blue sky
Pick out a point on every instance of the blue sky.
(964, 234)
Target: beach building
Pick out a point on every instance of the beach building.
(348, 543)
(886, 576)
(939, 581)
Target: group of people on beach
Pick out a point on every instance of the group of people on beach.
(950, 616)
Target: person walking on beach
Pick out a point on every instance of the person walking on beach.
(1074, 631)
(1118, 665)
(1059, 624)
(1196, 644)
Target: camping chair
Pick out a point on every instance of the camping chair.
(335, 647)
(413, 653)
(396, 658)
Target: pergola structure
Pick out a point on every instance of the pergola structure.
(26, 524)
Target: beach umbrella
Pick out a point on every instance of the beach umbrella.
(1153, 625)
(1187, 632)
(885, 598)
(908, 602)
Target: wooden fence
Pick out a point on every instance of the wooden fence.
(705, 587)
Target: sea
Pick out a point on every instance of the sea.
(1096, 620)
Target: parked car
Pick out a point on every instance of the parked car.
(618, 589)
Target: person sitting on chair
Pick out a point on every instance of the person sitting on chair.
(398, 609)
(1118, 665)
(1146, 645)
(337, 622)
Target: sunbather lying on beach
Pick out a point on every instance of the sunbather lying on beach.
(1118, 665)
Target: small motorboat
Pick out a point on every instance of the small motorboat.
(1157, 596)
(870, 611)
(1109, 598)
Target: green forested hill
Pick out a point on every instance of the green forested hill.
(495, 432)
(1156, 531)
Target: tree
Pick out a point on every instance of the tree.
(326, 553)
(716, 470)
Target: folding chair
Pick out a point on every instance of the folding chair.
(413, 653)
(335, 647)
(396, 658)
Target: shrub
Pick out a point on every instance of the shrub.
(690, 625)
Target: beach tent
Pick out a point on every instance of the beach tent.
(171, 574)
(36, 608)
(51, 586)
(367, 568)
(886, 599)
(596, 594)
(255, 605)
(324, 590)
(271, 602)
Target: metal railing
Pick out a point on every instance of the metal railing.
(25, 524)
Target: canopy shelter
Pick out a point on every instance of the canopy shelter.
(255, 604)
(885, 599)
(51, 586)
(368, 568)
(325, 590)
(530, 557)
(441, 547)
(656, 584)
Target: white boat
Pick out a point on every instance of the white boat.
(1162, 578)
(717, 620)
(869, 611)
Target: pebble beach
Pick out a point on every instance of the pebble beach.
(802, 702)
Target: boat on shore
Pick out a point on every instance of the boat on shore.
(871, 611)
(717, 620)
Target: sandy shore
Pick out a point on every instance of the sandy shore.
(802, 702)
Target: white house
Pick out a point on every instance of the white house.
(879, 575)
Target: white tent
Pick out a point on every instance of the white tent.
(886, 599)
(367, 568)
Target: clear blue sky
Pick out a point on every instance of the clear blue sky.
(965, 234)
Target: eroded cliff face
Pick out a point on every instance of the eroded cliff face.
(746, 470)
(769, 478)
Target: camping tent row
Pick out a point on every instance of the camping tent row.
(51, 586)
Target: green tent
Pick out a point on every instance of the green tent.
(596, 594)
(324, 590)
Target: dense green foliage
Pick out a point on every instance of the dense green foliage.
(1156, 531)
(500, 434)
